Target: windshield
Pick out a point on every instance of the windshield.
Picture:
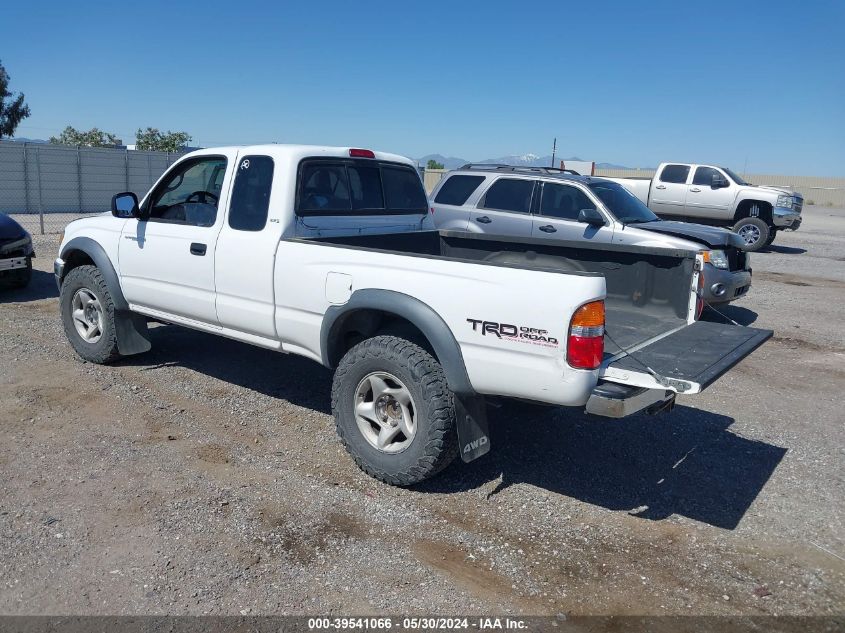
(622, 203)
(734, 177)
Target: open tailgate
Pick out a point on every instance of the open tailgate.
(687, 360)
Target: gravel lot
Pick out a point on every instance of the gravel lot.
(205, 478)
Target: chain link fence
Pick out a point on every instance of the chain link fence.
(45, 186)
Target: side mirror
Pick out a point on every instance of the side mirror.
(124, 205)
(591, 217)
(717, 181)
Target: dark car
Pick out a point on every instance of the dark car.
(16, 254)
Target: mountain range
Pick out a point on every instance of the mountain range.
(524, 160)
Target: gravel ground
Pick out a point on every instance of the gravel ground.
(205, 477)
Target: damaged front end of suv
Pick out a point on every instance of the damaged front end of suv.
(16, 253)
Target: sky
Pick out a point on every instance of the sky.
(757, 86)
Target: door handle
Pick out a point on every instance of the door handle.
(660, 187)
(198, 249)
(695, 189)
(483, 220)
(548, 228)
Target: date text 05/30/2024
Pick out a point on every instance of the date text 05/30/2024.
(421, 623)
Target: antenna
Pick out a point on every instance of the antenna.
(554, 147)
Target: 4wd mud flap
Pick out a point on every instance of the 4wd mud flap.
(687, 360)
(473, 433)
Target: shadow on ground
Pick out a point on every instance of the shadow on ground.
(41, 286)
(292, 378)
(784, 250)
(722, 314)
(686, 463)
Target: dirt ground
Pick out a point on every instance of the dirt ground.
(205, 477)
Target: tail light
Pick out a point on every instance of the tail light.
(361, 153)
(585, 347)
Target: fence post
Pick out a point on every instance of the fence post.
(126, 167)
(40, 199)
(79, 178)
(149, 171)
(25, 180)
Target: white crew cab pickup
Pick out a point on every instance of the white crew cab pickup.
(329, 253)
(715, 195)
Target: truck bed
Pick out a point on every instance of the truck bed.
(648, 290)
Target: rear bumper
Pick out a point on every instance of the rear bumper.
(612, 400)
(721, 286)
(784, 218)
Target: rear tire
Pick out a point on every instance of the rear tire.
(754, 232)
(87, 312)
(421, 392)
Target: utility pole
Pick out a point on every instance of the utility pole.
(554, 148)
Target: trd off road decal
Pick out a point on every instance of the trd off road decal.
(519, 333)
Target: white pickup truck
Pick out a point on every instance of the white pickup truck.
(706, 194)
(328, 253)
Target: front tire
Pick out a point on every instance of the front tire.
(754, 232)
(394, 412)
(772, 235)
(87, 312)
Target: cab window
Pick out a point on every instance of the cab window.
(509, 194)
(704, 176)
(358, 187)
(563, 201)
(189, 194)
(250, 202)
(676, 174)
(457, 189)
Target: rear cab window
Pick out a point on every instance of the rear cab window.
(675, 174)
(457, 189)
(339, 186)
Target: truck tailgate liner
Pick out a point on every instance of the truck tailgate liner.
(700, 352)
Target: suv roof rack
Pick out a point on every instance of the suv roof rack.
(503, 167)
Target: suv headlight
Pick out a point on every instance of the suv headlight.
(718, 258)
(784, 201)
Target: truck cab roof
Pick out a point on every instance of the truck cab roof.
(298, 152)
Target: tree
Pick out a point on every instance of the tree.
(433, 164)
(14, 111)
(153, 140)
(94, 137)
